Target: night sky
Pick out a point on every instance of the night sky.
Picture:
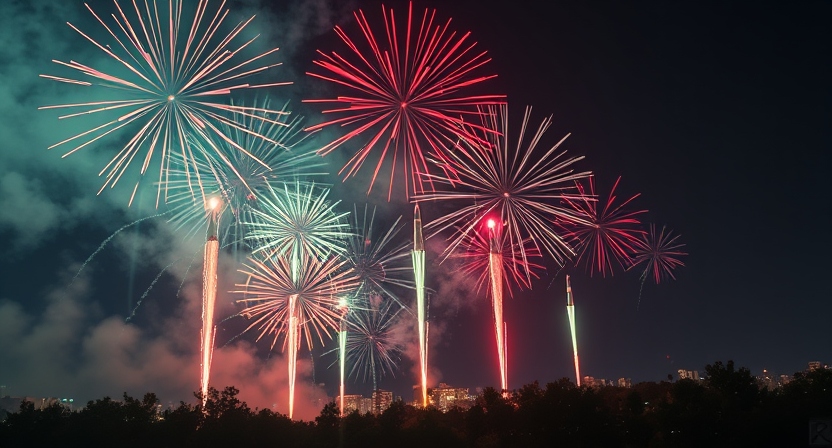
(718, 113)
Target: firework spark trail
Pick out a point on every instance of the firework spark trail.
(418, 256)
(342, 359)
(660, 252)
(209, 295)
(408, 93)
(497, 267)
(519, 185)
(110, 238)
(570, 311)
(604, 236)
(496, 274)
(171, 79)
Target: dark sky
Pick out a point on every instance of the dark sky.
(718, 113)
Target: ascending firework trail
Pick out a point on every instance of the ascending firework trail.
(209, 294)
(570, 310)
(418, 255)
(495, 271)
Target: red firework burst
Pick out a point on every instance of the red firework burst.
(408, 92)
(607, 234)
(660, 252)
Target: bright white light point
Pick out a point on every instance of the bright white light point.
(491, 223)
(342, 302)
(213, 203)
(170, 97)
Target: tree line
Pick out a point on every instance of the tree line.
(727, 409)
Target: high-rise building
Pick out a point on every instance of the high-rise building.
(446, 397)
(366, 405)
(352, 403)
(688, 374)
(382, 399)
(625, 382)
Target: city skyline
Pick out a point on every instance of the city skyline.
(719, 120)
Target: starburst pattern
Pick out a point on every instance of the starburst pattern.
(660, 252)
(373, 344)
(408, 92)
(604, 236)
(377, 260)
(171, 79)
(296, 218)
(519, 186)
(271, 284)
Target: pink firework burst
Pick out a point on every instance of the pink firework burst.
(607, 234)
(660, 253)
(406, 90)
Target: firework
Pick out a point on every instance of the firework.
(603, 236)
(284, 156)
(342, 349)
(418, 257)
(209, 294)
(376, 259)
(379, 268)
(476, 251)
(570, 311)
(174, 73)
(407, 92)
(660, 253)
(297, 218)
(495, 274)
(294, 300)
(372, 344)
(520, 186)
(488, 257)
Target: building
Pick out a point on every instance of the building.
(352, 403)
(814, 365)
(417, 396)
(446, 397)
(382, 399)
(688, 374)
(625, 382)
